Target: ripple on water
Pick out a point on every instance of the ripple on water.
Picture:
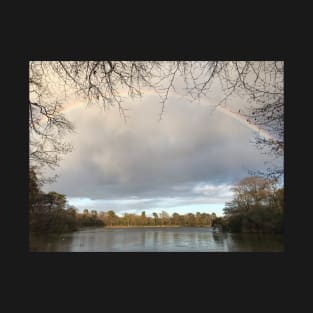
(155, 240)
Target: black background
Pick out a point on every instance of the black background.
(152, 281)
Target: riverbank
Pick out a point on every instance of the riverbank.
(143, 226)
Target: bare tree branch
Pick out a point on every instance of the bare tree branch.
(260, 82)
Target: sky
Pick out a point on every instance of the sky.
(187, 162)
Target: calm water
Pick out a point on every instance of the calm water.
(195, 239)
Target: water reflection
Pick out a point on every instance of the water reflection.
(155, 240)
(254, 242)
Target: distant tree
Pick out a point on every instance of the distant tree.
(213, 217)
(112, 217)
(71, 210)
(198, 218)
(94, 213)
(165, 218)
(175, 218)
(126, 219)
(155, 215)
(205, 219)
(190, 219)
(143, 218)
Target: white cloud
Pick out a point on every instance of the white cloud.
(210, 190)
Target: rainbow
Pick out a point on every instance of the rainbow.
(72, 105)
(223, 109)
(263, 133)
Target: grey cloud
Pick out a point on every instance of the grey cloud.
(150, 159)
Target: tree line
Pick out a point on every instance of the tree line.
(162, 219)
(49, 212)
(257, 206)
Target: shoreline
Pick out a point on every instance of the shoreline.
(153, 226)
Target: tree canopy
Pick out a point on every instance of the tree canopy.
(257, 206)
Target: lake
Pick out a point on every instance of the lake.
(165, 239)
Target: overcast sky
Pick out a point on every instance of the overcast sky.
(185, 163)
